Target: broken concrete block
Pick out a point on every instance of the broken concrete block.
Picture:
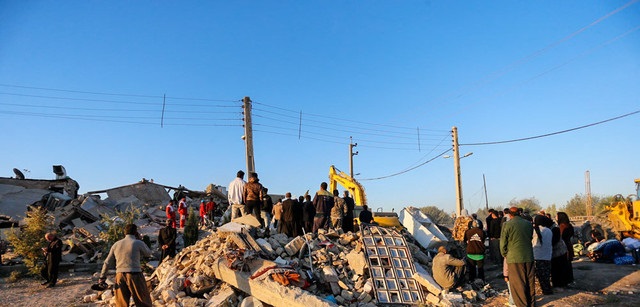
(469, 295)
(250, 301)
(264, 244)
(225, 297)
(428, 282)
(330, 274)
(343, 285)
(357, 262)
(433, 299)
(335, 289)
(69, 257)
(347, 295)
(294, 246)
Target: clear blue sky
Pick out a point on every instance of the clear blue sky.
(379, 71)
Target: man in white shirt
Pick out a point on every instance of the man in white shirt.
(235, 195)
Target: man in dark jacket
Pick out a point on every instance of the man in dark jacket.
(515, 245)
(347, 222)
(287, 223)
(474, 237)
(308, 212)
(323, 202)
(494, 228)
(53, 255)
(167, 241)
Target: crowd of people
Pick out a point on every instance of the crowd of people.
(529, 248)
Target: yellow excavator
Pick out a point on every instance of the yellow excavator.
(384, 219)
(624, 213)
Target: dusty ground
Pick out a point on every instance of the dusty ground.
(596, 284)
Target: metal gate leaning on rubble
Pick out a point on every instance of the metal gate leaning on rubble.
(391, 266)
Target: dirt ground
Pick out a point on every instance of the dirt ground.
(595, 284)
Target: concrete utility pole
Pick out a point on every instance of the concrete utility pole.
(486, 198)
(248, 135)
(587, 186)
(456, 165)
(351, 154)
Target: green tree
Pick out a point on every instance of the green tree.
(29, 241)
(437, 215)
(553, 210)
(191, 228)
(577, 206)
(531, 204)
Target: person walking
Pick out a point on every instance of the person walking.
(167, 241)
(53, 255)
(236, 195)
(515, 245)
(129, 280)
(474, 237)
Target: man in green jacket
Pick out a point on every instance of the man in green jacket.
(515, 246)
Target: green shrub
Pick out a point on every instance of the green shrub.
(115, 226)
(191, 228)
(14, 277)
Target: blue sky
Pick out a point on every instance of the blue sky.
(82, 85)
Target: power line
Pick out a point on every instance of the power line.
(409, 169)
(115, 94)
(26, 105)
(552, 133)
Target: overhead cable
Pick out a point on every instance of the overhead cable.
(409, 169)
(552, 133)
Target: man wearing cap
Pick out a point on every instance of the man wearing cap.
(236, 195)
(516, 247)
(448, 271)
(129, 280)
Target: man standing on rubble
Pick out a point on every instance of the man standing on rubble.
(323, 202)
(516, 247)
(287, 224)
(171, 213)
(236, 195)
(267, 207)
(308, 213)
(347, 223)
(210, 208)
(253, 197)
(53, 255)
(338, 211)
(129, 280)
(182, 209)
(167, 241)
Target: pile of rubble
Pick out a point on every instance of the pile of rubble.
(239, 265)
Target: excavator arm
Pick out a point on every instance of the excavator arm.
(354, 187)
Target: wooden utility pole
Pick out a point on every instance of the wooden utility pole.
(456, 165)
(351, 154)
(587, 186)
(248, 135)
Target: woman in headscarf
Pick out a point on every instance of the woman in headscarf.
(542, 251)
(567, 233)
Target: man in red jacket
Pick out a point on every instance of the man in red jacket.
(171, 213)
(182, 209)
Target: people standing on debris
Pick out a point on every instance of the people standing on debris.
(210, 208)
(448, 271)
(338, 211)
(287, 220)
(365, 216)
(542, 251)
(322, 202)
(267, 207)
(167, 241)
(203, 212)
(182, 209)
(53, 255)
(567, 233)
(236, 195)
(515, 245)
(347, 222)
(474, 237)
(277, 214)
(171, 213)
(129, 280)
(494, 228)
(253, 198)
(308, 212)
